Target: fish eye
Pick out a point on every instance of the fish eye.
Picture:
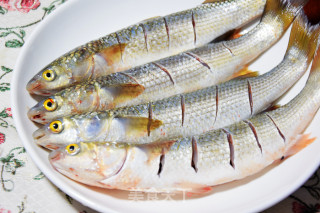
(56, 126)
(72, 149)
(48, 75)
(50, 104)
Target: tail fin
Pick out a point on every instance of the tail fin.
(304, 37)
(316, 61)
(284, 10)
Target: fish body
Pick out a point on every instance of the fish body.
(144, 42)
(191, 163)
(182, 73)
(193, 113)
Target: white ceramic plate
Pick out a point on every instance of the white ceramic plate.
(77, 22)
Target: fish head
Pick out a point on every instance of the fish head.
(56, 134)
(49, 80)
(89, 162)
(67, 70)
(49, 109)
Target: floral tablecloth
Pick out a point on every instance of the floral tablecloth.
(23, 188)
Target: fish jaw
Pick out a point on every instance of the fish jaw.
(91, 164)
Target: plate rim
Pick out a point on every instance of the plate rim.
(60, 183)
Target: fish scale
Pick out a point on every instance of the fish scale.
(157, 35)
(185, 23)
(138, 45)
(232, 108)
(296, 109)
(260, 87)
(197, 112)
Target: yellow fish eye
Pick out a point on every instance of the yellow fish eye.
(56, 126)
(50, 104)
(72, 149)
(48, 75)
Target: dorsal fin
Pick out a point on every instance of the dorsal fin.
(210, 1)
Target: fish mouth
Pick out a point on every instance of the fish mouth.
(37, 135)
(36, 116)
(40, 137)
(52, 146)
(34, 86)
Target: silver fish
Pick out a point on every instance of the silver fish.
(185, 72)
(143, 42)
(192, 113)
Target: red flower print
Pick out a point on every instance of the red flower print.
(26, 5)
(21, 5)
(2, 210)
(8, 111)
(2, 139)
(7, 4)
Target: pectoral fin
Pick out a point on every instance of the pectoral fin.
(113, 54)
(150, 19)
(245, 73)
(138, 126)
(125, 92)
(209, 1)
(236, 33)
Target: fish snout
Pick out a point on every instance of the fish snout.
(42, 138)
(39, 135)
(37, 87)
(36, 115)
(33, 86)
